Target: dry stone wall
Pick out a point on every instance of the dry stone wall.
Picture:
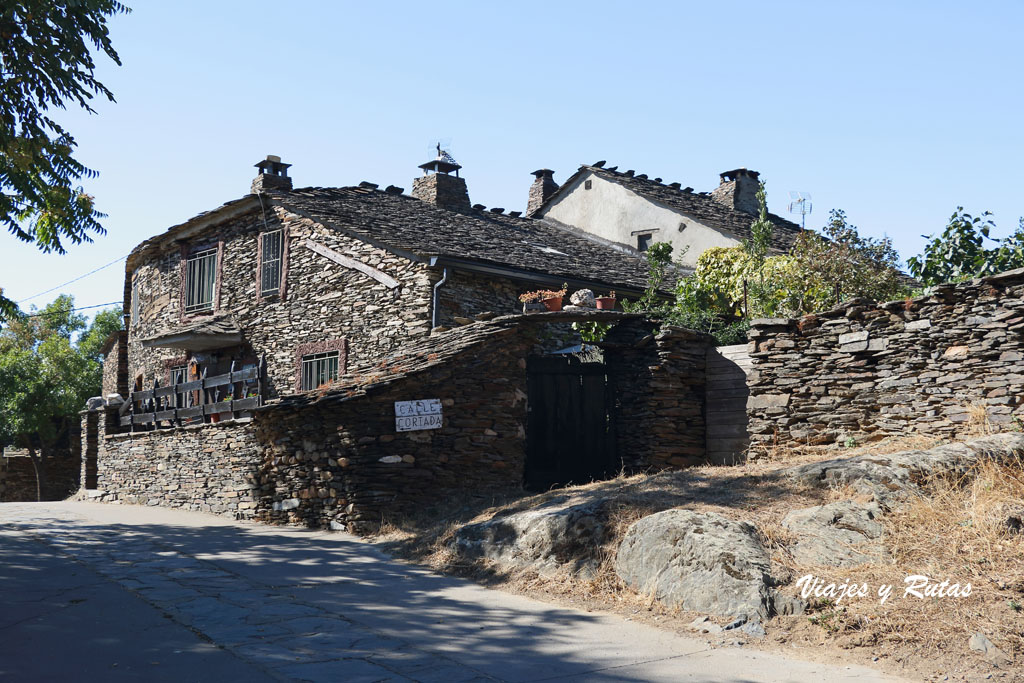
(18, 478)
(658, 378)
(937, 364)
(203, 468)
(342, 463)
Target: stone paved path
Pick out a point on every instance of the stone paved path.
(93, 592)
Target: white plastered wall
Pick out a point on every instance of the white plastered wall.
(614, 213)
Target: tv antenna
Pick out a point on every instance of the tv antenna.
(800, 203)
(444, 143)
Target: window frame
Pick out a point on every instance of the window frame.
(264, 261)
(303, 351)
(211, 255)
(136, 305)
(320, 369)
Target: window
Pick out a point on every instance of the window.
(200, 281)
(271, 244)
(135, 302)
(587, 184)
(318, 369)
(643, 242)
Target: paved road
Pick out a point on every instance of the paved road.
(92, 592)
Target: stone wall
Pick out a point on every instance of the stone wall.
(18, 478)
(322, 300)
(340, 461)
(940, 364)
(204, 468)
(658, 378)
(465, 295)
(115, 366)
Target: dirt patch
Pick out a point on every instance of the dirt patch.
(960, 531)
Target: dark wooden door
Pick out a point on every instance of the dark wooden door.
(570, 432)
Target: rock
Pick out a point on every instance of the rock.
(755, 629)
(788, 605)
(556, 536)
(891, 478)
(459, 320)
(843, 534)
(94, 403)
(993, 655)
(289, 504)
(697, 561)
(705, 625)
(583, 298)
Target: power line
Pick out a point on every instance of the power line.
(51, 289)
(80, 308)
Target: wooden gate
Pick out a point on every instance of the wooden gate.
(726, 404)
(570, 430)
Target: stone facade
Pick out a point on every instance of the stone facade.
(931, 364)
(322, 301)
(442, 190)
(115, 365)
(334, 457)
(341, 461)
(658, 377)
(204, 468)
(542, 189)
(466, 294)
(18, 477)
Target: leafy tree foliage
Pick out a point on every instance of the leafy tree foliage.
(47, 63)
(46, 375)
(959, 253)
(842, 264)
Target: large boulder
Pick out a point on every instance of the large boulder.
(702, 562)
(844, 534)
(553, 537)
(890, 478)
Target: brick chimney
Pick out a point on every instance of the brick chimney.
(738, 190)
(439, 187)
(541, 189)
(273, 175)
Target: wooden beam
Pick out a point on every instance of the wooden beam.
(347, 262)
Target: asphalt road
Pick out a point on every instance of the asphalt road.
(93, 592)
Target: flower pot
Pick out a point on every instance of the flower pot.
(606, 303)
(553, 304)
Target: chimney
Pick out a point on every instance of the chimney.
(738, 190)
(541, 190)
(438, 187)
(273, 175)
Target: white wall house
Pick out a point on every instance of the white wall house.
(634, 211)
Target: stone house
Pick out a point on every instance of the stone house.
(321, 281)
(631, 210)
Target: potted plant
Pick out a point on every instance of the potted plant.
(606, 302)
(552, 299)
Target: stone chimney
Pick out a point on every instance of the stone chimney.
(541, 189)
(439, 187)
(273, 175)
(738, 190)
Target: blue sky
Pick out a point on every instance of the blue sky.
(896, 112)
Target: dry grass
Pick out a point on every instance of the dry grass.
(956, 531)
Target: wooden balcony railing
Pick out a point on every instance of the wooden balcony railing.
(206, 399)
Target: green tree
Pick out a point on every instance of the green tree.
(959, 252)
(841, 263)
(46, 375)
(46, 56)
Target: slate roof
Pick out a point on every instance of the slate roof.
(403, 223)
(698, 205)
